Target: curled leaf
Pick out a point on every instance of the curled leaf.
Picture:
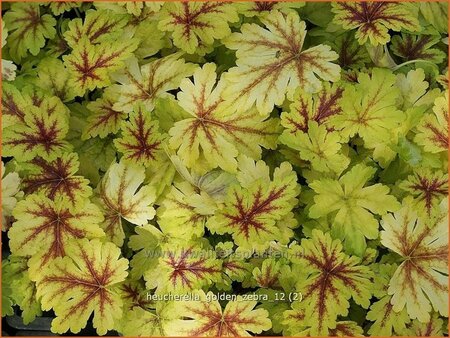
(122, 196)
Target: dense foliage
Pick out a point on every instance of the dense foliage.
(291, 155)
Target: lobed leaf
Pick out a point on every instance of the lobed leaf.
(197, 24)
(82, 283)
(28, 29)
(420, 283)
(141, 141)
(90, 65)
(216, 133)
(206, 318)
(57, 179)
(373, 19)
(352, 205)
(44, 228)
(153, 80)
(42, 132)
(121, 195)
(271, 63)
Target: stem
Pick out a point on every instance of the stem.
(409, 62)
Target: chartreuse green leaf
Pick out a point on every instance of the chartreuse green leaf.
(18, 289)
(435, 14)
(432, 131)
(122, 196)
(54, 79)
(62, 6)
(420, 283)
(319, 107)
(178, 214)
(320, 147)
(90, 64)
(57, 179)
(417, 47)
(141, 142)
(206, 318)
(98, 27)
(373, 19)
(260, 210)
(104, 119)
(151, 81)
(432, 328)
(15, 103)
(216, 133)
(352, 204)
(271, 63)
(387, 322)
(329, 279)
(267, 275)
(44, 228)
(28, 29)
(152, 323)
(428, 187)
(41, 134)
(368, 109)
(82, 283)
(196, 25)
(234, 267)
(183, 268)
(8, 67)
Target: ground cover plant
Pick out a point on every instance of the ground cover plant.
(226, 169)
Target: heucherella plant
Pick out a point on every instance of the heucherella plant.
(226, 169)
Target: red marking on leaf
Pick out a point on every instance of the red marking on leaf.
(348, 56)
(55, 224)
(330, 267)
(262, 6)
(55, 177)
(134, 295)
(181, 266)
(189, 19)
(233, 266)
(224, 325)
(46, 136)
(31, 21)
(138, 141)
(430, 189)
(438, 135)
(418, 254)
(412, 49)
(93, 285)
(247, 218)
(10, 107)
(370, 13)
